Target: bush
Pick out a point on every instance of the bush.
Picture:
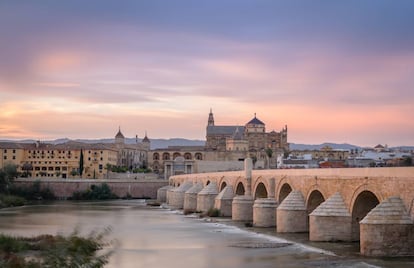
(54, 251)
(213, 212)
(11, 201)
(33, 192)
(96, 192)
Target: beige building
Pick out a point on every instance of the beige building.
(39, 160)
(325, 153)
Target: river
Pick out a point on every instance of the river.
(158, 237)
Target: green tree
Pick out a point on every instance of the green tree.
(7, 175)
(81, 163)
(269, 153)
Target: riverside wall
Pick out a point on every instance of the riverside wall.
(64, 188)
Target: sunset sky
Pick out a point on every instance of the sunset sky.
(334, 71)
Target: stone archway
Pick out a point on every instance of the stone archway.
(223, 185)
(261, 191)
(315, 199)
(365, 201)
(284, 192)
(240, 189)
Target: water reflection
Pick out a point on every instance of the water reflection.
(155, 237)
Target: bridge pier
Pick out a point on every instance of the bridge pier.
(190, 198)
(387, 230)
(223, 201)
(206, 197)
(242, 206)
(331, 221)
(264, 212)
(176, 196)
(292, 216)
(264, 209)
(162, 193)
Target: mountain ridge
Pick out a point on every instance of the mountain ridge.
(164, 143)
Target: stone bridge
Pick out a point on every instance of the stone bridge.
(370, 205)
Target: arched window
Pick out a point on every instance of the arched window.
(156, 156)
(187, 156)
(198, 156)
(166, 156)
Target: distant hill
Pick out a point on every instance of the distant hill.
(164, 143)
(336, 146)
(155, 143)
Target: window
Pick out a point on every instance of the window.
(14, 157)
(5, 157)
(5, 150)
(14, 151)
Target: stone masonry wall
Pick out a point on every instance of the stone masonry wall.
(65, 188)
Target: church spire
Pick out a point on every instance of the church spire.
(210, 118)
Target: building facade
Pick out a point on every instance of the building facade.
(251, 137)
(39, 160)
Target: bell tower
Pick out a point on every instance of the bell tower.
(210, 118)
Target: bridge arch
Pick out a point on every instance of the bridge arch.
(261, 188)
(314, 199)
(222, 183)
(284, 191)
(363, 202)
(240, 189)
(261, 191)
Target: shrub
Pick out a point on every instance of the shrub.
(55, 251)
(96, 192)
(188, 211)
(33, 192)
(213, 212)
(11, 201)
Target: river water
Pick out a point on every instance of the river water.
(158, 237)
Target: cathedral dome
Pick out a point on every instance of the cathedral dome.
(255, 121)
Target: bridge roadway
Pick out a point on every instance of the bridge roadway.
(372, 205)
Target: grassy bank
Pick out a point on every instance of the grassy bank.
(54, 251)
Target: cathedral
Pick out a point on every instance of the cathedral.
(251, 137)
(225, 149)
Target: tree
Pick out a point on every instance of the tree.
(269, 153)
(27, 168)
(81, 163)
(254, 160)
(7, 175)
